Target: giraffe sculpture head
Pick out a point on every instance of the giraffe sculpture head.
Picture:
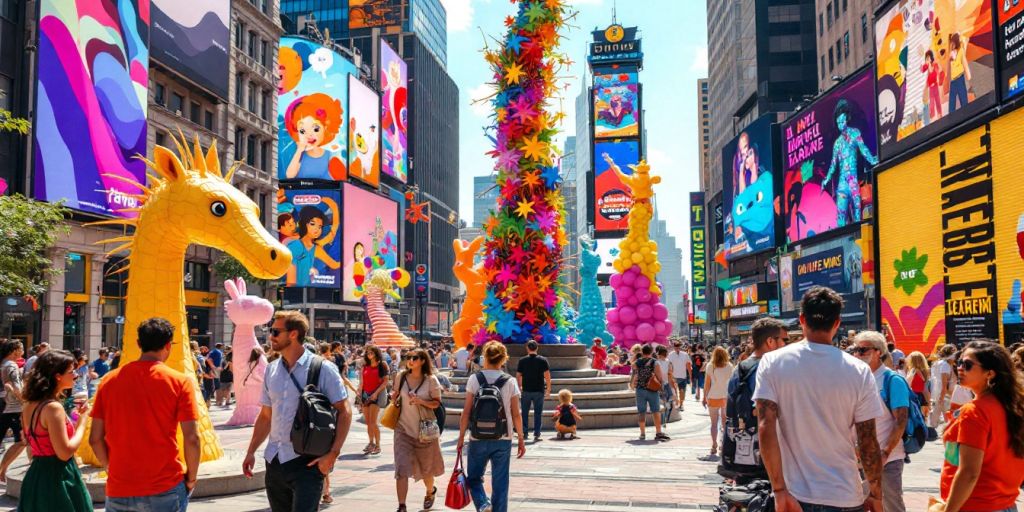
(193, 202)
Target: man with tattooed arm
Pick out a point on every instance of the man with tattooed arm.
(809, 396)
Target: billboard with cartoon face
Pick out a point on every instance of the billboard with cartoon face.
(934, 68)
(312, 88)
(308, 223)
(394, 114)
(363, 132)
(749, 190)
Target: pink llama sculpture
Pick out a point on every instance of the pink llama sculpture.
(246, 312)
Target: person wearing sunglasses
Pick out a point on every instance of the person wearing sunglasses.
(294, 482)
(416, 457)
(870, 347)
(984, 464)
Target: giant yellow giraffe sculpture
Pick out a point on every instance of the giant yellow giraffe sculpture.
(189, 202)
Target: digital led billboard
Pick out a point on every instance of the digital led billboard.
(612, 198)
(312, 88)
(616, 104)
(394, 114)
(364, 132)
(749, 190)
(829, 149)
(371, 237)
(934, 68)
(192, 38)
(308, 221)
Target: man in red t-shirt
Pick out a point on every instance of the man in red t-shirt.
(600, 355)
(136, 415)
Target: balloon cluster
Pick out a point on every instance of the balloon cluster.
(640, 316)
(525, 234)
(591, 322)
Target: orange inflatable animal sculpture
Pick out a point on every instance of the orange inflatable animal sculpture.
(472, 276)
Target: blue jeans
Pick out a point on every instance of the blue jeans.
(536, 399)
(957, 93)
(499, 453)
(698, 382)
(808, 507)
(174, 500)
(647, 401)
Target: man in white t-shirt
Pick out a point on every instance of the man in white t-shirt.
(870, 347)
(682, 369)
(462, 357)
(809, 396)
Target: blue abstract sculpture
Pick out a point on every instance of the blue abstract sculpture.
(591, 321)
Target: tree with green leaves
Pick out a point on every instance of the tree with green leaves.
(29, 230)
(9, 123)
(227, 267)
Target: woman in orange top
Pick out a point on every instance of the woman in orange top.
(984, 465)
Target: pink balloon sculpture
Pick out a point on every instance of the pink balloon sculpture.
(248, 362)
(640, 316)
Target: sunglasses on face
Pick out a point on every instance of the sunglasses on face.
(412, 358)
(861, 350)
(966, 364)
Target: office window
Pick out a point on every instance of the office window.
(846, 44)
(158, 95)
(239, 35)
(863, 28)
(268, 103)
(197, 276)
(196, 112)
(831, 63)
(265, 156)
(839, 51)
(252, 97)
(161, 138)
(177, 101)
(208, 120)
(828, 11)
(74, 273)
(252, 44)
(264, 211)
(239, 136)
(265, 6)
(823, 66)
(250, 150)
(844, 5)
(239, 92)
(264, 57)
(821, 24)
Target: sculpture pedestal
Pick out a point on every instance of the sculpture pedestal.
(602, 401)
(216, 478)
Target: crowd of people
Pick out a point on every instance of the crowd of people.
(764, 397)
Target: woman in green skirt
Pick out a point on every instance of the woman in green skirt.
(53, 481)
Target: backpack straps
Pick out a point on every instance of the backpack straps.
(500, 383)
(313, 376)
(480, 379)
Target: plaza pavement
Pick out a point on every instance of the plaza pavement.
(604, 470)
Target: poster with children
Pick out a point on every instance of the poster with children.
(308, 224)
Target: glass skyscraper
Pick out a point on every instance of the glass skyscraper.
(425, 18)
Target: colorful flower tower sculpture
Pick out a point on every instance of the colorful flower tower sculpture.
(591, 322)
(525, 236)
(640, 316)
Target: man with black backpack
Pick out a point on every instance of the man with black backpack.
(306, 416)
(870, 347)
(741, 454)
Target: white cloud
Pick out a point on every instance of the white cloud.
(460, 14)
(700, 60)
(479, 98)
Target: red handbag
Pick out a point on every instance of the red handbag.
(457, 496)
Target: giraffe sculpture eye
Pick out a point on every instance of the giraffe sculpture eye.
(218, 209)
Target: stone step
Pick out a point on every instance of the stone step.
(585, 373)
(573, 383)
(615, 417)
(556, 363)
(570, 350)
(583, 401)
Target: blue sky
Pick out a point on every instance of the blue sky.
(674, 34)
